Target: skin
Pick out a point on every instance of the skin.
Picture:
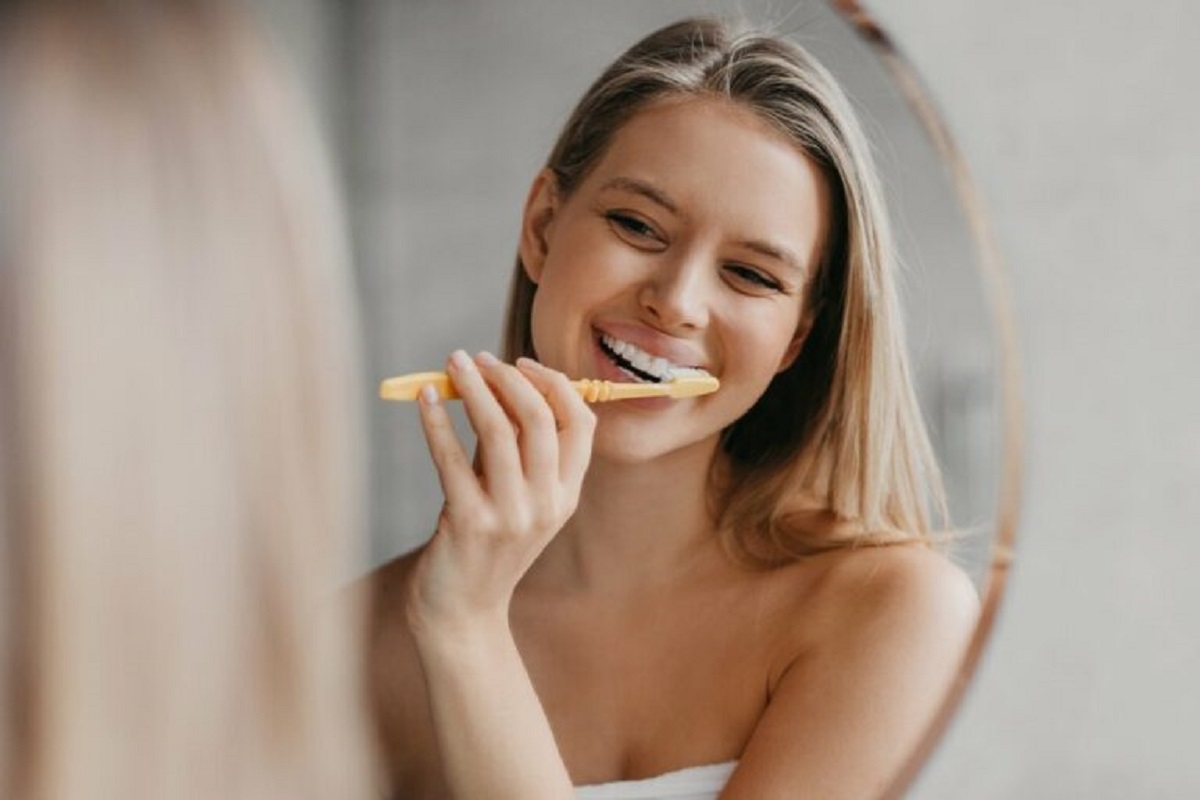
(573, 619)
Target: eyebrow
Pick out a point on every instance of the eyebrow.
(649, 191)
(780, 254)
(652, 193)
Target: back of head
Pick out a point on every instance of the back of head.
(178, 478)
(839, 432)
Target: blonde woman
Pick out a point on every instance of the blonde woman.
(728, 595)
(178, 430)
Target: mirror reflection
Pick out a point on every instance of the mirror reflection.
(701, 611)
(449, 111)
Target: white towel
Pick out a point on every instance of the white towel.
(692, 783)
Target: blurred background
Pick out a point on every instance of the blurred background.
(1079, 123)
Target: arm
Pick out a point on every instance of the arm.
(534, 444)
(492, 734)
(849, 706)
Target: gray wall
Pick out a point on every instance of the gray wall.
(1080, 122)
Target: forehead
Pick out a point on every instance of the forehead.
(720, 164)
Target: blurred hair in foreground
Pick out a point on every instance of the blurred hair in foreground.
(179, 439)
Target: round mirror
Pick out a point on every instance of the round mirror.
(445, 112)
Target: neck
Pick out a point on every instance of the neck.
(636, 526)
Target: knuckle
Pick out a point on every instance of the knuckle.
(490, 521)
(551, 380)
(569, 499)
(564, 385)
(492, 429)
(512, 533)
(434, 420)
(532, 520)
(546, 517)
(508, 377)
(456, 459)
(515, 518)
(540, 416)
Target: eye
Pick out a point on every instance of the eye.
(631, 227)
(754, 279)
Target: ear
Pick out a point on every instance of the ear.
(541, 207)
(796, 344)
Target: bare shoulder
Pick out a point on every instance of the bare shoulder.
(875, 640)
(387, 587)
(893, 605)
(879, 607)
(386, 597)
(391, 652)
(911, 586)
(395, 680)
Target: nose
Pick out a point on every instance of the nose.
(677, 294)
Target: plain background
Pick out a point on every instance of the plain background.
(1080, 125)
(1080, 122)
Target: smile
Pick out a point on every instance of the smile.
(639, 364)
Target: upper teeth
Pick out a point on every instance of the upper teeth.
(657, 366)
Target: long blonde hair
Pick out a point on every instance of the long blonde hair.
(179, 479)
(835, 453)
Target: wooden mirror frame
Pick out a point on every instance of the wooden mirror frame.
(995, 282)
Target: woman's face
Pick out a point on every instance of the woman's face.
(692, 240)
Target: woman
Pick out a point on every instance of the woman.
(733, 592)
(178, 438)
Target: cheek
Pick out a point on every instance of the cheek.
(560, 305)
(750, 365)
(542, 321)
(763, 346)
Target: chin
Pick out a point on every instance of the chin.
(633, 444)
(623, 447)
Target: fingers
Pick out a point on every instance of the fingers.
(575, 421)
(459, 484)
(534, 436)
(528, 410)
(531, 424)
(498, 455)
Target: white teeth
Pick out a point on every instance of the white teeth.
(659, 367)
(690, 372)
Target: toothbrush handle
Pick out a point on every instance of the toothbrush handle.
(407, 387)
(598, 391)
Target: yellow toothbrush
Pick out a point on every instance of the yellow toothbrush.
(685, 383)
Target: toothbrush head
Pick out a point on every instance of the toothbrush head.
(686, 382)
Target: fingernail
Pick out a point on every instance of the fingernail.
(529, 363)
(487, 359)
(429, 395)
(461, 360)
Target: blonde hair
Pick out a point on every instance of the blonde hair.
(835, 452)
(179, 487)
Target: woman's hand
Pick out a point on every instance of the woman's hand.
(534, 443)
